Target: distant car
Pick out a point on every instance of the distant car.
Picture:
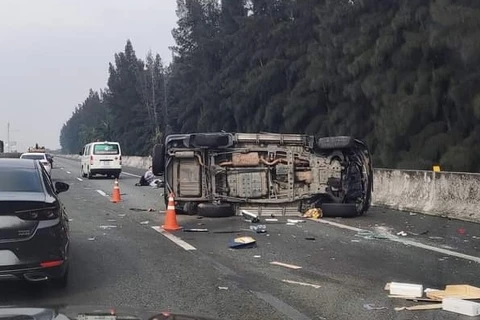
(42, 157)
(34, 230)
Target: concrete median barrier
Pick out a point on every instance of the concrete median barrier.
(447, 194)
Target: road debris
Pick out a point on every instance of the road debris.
(107, 227)
(70, 220)
(195, 230)
(286, 265)
(271, 220)
(261, 228)
(314, 213)
(223, 288)
(461, 231)
(111, 220)
(413, 213)
(354, 240)
(145, 222)
(402, 233)
(250, 216)
(296, 221)
(257, 256)
(91, 239)
(370, 235)
(151, 210)
(138, 209)
(420, 307)
(122, 215)
(310, 238)
(372, 306)
(405, 289)
(316, 286)
(467, 308)
(460, 291)
(242, 243)
(435, 238)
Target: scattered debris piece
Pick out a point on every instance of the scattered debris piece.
(242, 243)
(195, 230)
(310, 238)
(286, 265)
(223, 288)
(405, 289)
(372, 306)
(435, 238)
(296, 221)
(271, 220)
(122, 215)
(467, 308)
(460, 291)
(354, 240)
(261, 228)
(314, 213)
(107, 227)
(316, 286)
(91, 239)
(257, 256)
(421, 307)
(412, 298)
(461, 231)
(370, 235)
(200, 224)
(199, 217)
(151, 210)
(413, 213)
(291, 224)
(137, 209)
(112, 220)
(253, 218)
(70, 220)
(402, 233)
(145, 222)
(417, 234)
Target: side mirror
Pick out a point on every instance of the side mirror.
(80, 153)
(61, 187)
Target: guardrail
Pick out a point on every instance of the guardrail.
(447, 194)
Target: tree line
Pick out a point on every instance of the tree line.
(403, 75)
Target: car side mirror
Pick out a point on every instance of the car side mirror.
(80, 153)
(61, 187)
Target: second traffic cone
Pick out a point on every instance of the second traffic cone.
(170, 223)
(116, 193)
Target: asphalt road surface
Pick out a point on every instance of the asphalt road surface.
(118, 259)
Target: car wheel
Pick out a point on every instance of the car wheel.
(212, 210)
(190, 208)
(89, 175)
(158, 159)
(342, 210)
(116, 176)
(339, 142)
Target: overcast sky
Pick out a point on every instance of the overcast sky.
(53, 51)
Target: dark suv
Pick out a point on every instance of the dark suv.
(34, 231)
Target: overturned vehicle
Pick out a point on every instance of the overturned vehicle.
(220, 174)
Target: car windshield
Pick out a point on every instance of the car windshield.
(33, 156)
(19, 180)
(106, 148)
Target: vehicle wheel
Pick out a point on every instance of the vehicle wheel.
(211, 210)
(190, 208)
(89, 175)
(116, 176)
(210, 140)
(343, 210)
(62, 282)
(158, 159)
(339, 142)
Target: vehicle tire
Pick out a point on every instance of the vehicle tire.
(210, 140)
(62, 282)
(158, 159)
(116, 176)
(190, 208)
(89, 175)
(211, 210)
(339, 142)
(343, 210)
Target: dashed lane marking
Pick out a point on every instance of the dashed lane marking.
(68, 172)
(175, 239)
(102, 193)
(407, 242)
(79, 179)
(131, 174)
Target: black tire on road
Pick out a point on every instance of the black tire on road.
(343, 210)
(158, 159)
(339, 142)
(211, 210)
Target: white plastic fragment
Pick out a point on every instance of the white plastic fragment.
(406, 289)
(467, 308)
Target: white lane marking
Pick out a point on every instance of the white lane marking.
(316, 286)
(131, 174)
(68, 172)
(102, 193)
(286, 265)
(79, 179)
(407, 242)
(336, 224)
(175, 239)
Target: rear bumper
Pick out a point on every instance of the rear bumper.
(33, 273)
(105, 170)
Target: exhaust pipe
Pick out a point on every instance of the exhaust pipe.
(35, 277)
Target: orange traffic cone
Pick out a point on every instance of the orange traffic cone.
(170, 223)
(116, 193)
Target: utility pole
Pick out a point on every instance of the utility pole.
(8, 137)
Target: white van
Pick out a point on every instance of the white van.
(101, 158)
